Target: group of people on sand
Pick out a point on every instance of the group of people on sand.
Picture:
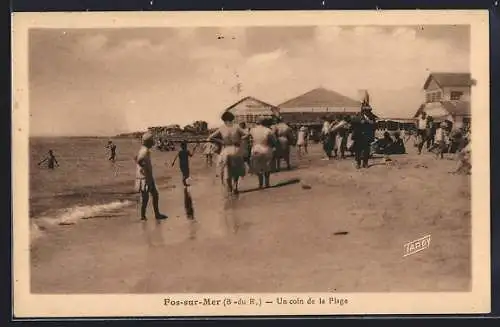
(237, 147)
(354, 133)
(445, 138)
(259, 149)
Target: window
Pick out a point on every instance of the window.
(456, 95)
(434, 96)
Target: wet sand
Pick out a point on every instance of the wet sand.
(345, 233)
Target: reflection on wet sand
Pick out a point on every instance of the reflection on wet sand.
(188, 204)
(230, 213)
(193, 229)
(153, 233)
(219, 217)
(189, 208)
(276, 185)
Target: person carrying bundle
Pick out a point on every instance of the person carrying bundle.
(326, 138)
(264, 140)
(232, 164)
(284, 135)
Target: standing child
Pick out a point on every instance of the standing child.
(183, 155)
(51, 160)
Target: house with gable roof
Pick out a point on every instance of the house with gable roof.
(447, 97)
(249, 109)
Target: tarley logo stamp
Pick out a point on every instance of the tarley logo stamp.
(417, 245)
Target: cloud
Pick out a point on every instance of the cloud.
(154, 77)
(265, 58)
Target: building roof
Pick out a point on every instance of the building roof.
(252, 99)
(454, 108)
(320, 97)
(295, 117)
(419, 110)
(457, 108)
(449, 79)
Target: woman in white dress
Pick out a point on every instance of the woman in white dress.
(264, 140)
(302, 140)
(232, 165)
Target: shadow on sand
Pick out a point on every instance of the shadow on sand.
(279, 184)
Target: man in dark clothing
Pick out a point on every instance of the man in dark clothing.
(362, 136)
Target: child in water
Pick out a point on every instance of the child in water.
(50, 159)
(111, 147)
(183, 156)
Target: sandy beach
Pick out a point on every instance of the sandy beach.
(345, 232)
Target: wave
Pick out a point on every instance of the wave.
(71, 216)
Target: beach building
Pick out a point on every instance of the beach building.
(447, 97)
(309, 108)
(249, 109)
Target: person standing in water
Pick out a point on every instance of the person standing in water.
(111, 147)
(232, 164)
(264, 140)
(145, 181)
(51, 160)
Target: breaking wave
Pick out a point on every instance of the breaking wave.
(71, 216)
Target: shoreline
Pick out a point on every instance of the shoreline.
(44, 205)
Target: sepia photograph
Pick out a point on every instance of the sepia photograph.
(245, 161)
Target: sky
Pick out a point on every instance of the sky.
(110, 81)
